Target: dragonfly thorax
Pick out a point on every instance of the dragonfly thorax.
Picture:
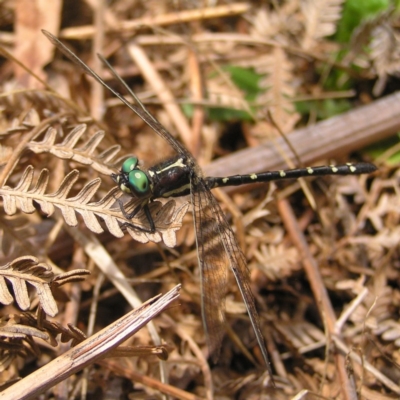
(170, 178)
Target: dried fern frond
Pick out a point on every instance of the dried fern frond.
(53, 329)
(277, 262)
(265, 24)
(167, 219)
(279, 24)
(18, 335)
(320, 19)
(19, 273)
(42, 101)
(374, 309)
(277, 82)
(385, 54)
(375, 44)
(223, 93)
(302, 336)
(12, 328)
(17, 340)
(362, 35)
(104, 162)
(76, 275)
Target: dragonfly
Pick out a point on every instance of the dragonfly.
(217, 247)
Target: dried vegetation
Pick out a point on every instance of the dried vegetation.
(326, 282)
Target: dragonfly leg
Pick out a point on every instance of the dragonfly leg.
(124, 213)
(128, 216)
(149, 218)
(136, 227)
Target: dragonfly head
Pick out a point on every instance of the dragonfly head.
(132, 180)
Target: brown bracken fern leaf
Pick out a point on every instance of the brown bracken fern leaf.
(385, 53)
(302, 335)
(277, 261)
(18, 335)
(19, 273)
(104, 162)
(53, 329)
(278, 94)
(377, 40)
(166, 218)
(320, 19)
(17, 339)
(21, 100)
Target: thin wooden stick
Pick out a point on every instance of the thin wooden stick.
(319, 290)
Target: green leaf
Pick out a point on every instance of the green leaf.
(323, 109)
(354, 12)
(377, 149)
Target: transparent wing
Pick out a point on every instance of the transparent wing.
(140, 110)
(213, 263)
(217, 248)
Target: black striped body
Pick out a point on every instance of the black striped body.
(170, 178)
(345, 169)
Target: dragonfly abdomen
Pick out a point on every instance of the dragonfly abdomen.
(345, 169)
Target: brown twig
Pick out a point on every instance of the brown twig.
(319, 290)
(176, 393)
(85, 32)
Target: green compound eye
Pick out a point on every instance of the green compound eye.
(139, 183)
(129, 165)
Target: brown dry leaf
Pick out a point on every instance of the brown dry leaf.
(30, 48)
